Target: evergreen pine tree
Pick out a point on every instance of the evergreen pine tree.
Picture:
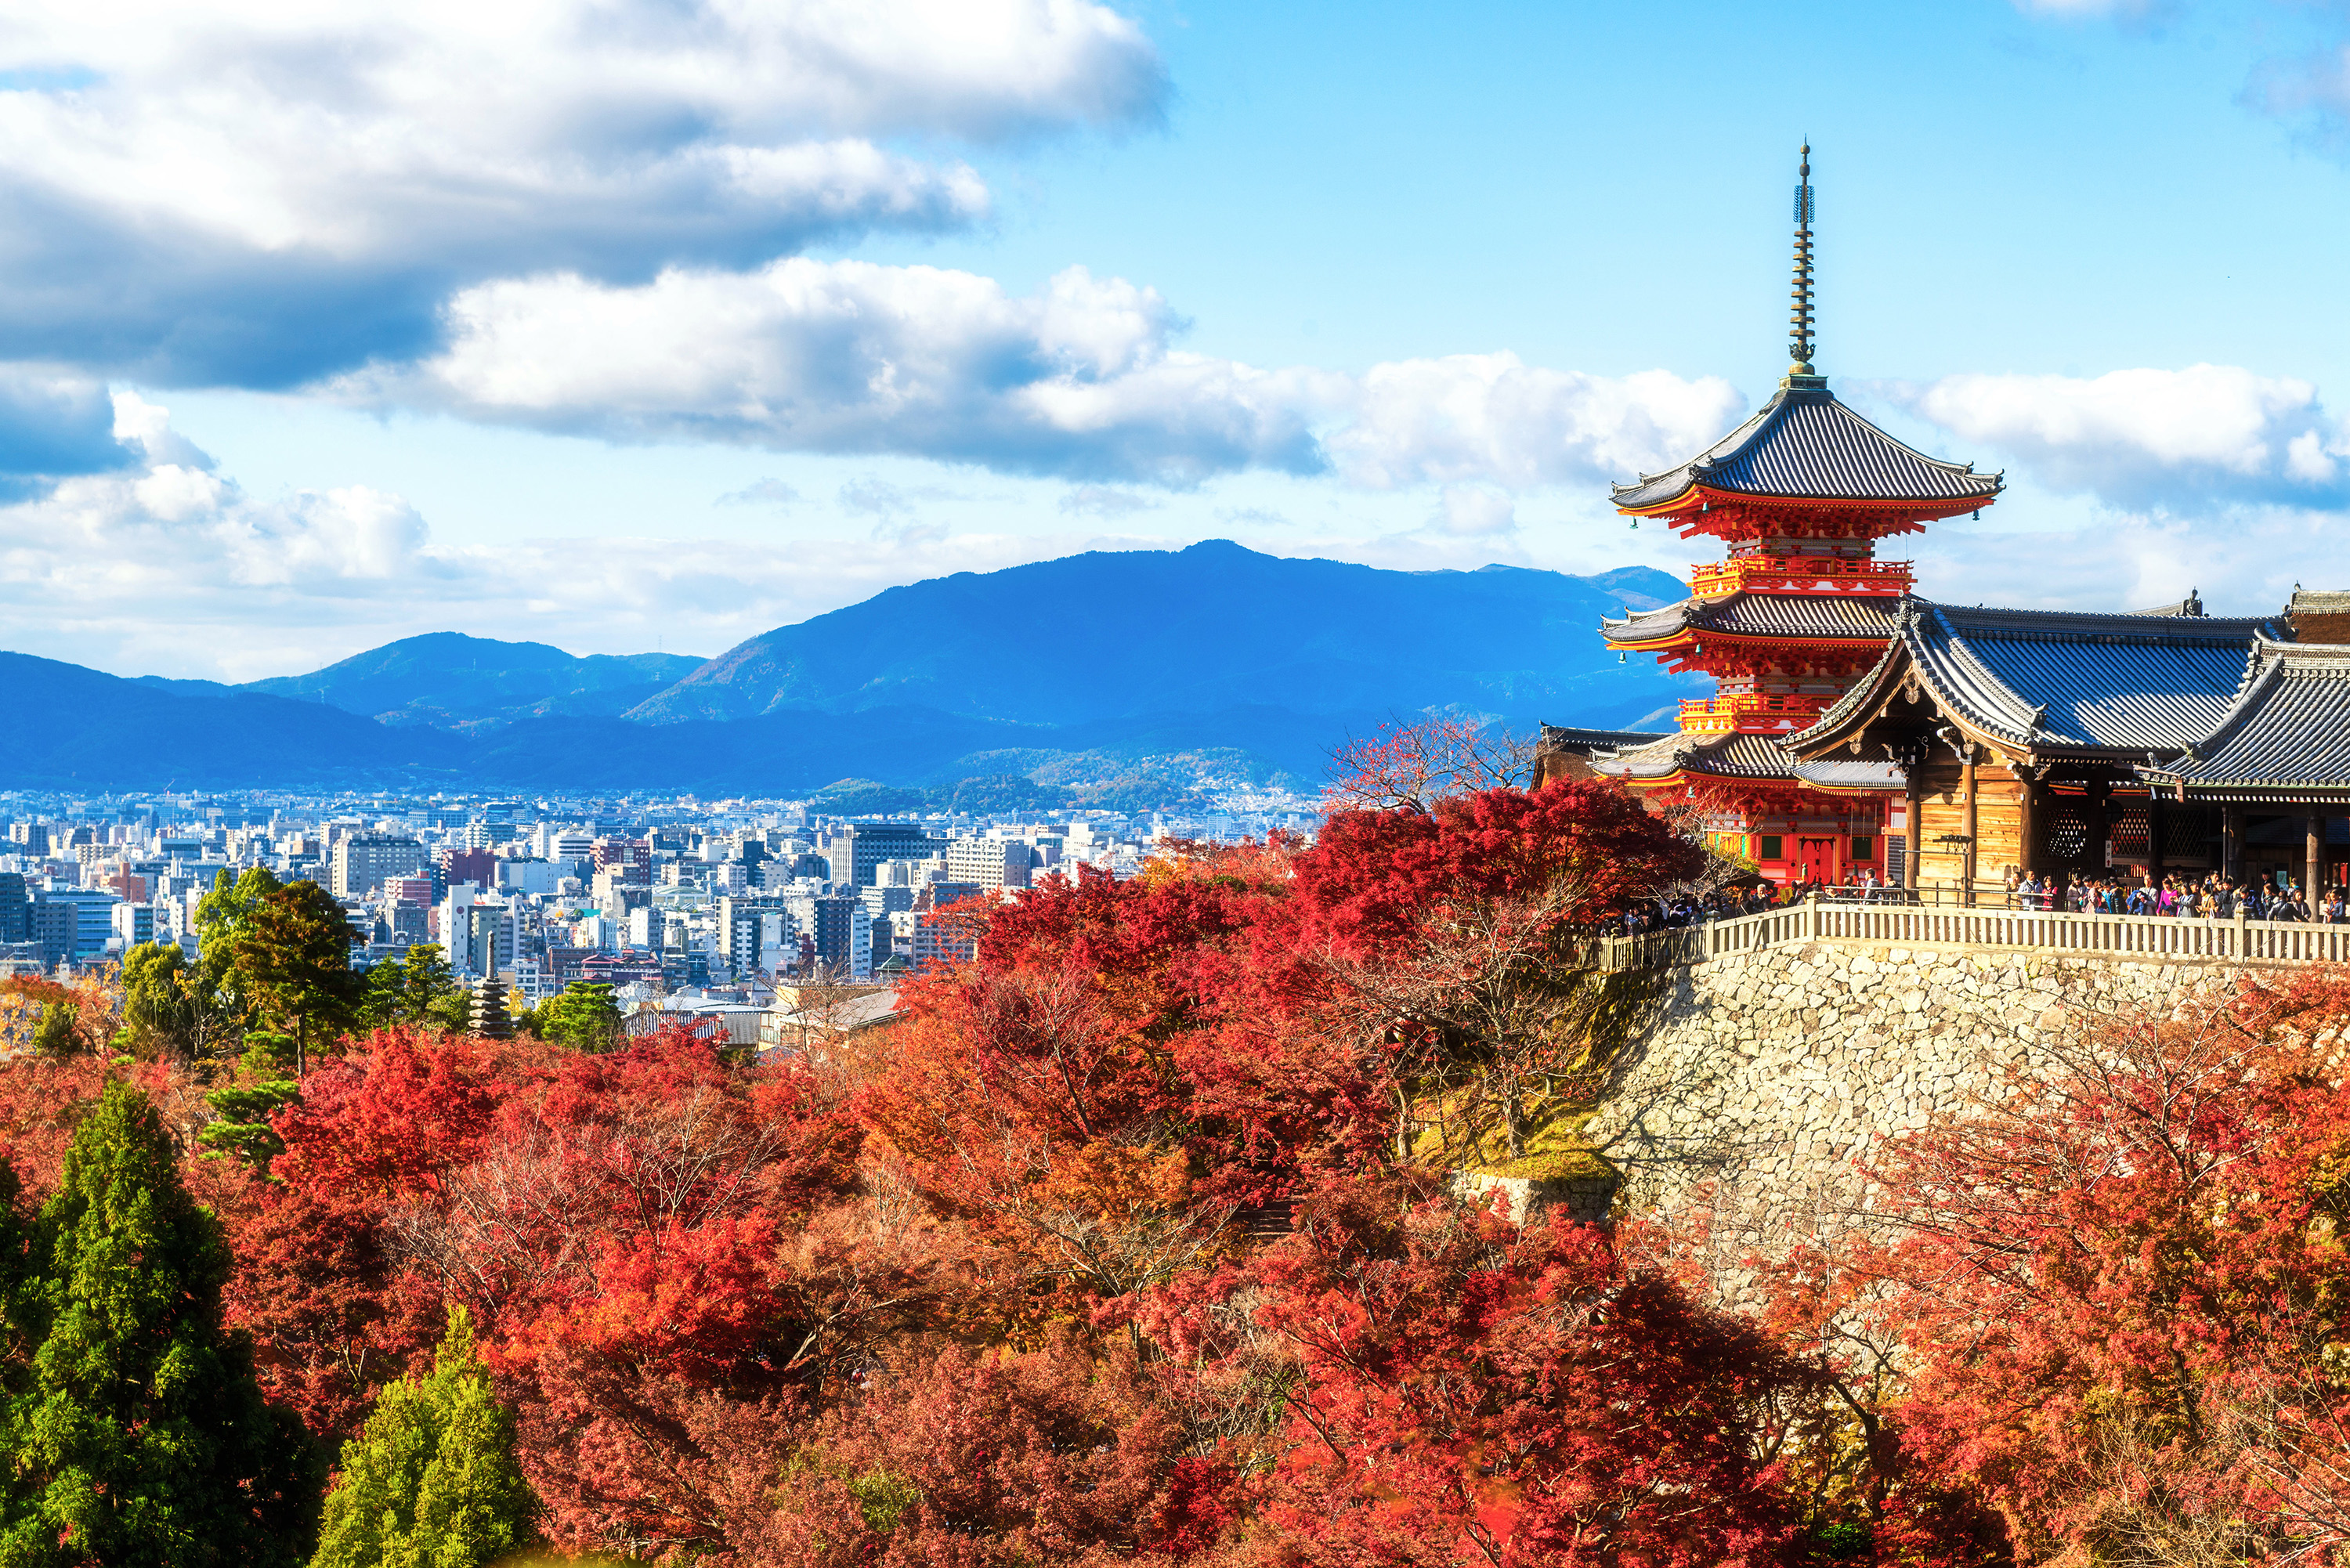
(137, 1436)
(263, 1085)
(20, 1302)
(431, 1482)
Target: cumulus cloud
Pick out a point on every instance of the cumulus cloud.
(168, 568)
(2245, 562)
(1475, 511)
(1490, 417)
(55, 422)
(1083, 379)
(222, 190)
(1080, 379)
(2151, 438)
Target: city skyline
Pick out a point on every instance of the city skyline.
(747, 344)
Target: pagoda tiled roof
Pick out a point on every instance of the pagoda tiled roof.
(1804, 442)
(2288, 731)
(2051, 679)
(1803, 617)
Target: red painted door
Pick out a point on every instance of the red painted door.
(1817, 857)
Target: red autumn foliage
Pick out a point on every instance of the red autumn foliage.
(2122, 1290)
(1126, 1246)
(1589, 848)
(402, 1106)
(318, 1287)
(1472, 1391)
(43, 1100)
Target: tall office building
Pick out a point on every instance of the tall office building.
(55, 926)
(15, 909)
(363, 865)
(756, 934)
(93, 921)
(839, 930)
(856, 850)
(489, 932)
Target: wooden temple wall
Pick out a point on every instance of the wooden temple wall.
(1998, 823)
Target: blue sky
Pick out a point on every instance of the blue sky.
(638, 324)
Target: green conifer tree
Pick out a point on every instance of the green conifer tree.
(431, 1482)
(20, 1295)
(264, 1083)
(138, 1438)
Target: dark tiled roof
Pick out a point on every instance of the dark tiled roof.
(1583, 742)
(2289, 730)
(1865, 618)
(1804, 442)
(1722, 756)
(1845, 773)
(2045, 677)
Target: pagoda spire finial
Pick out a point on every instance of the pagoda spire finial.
(1799, 330)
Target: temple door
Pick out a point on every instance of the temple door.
(1818, 859)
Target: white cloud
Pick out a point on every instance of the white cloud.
(230, 190)
(1490, 417)
(2244, 561)
(850, 357)
(1475, 511)
(168, 568)
(1082, 380)
(2147, 438)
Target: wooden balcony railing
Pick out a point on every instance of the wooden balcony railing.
(1801, 575)
(2239, 941)
(1755, 714)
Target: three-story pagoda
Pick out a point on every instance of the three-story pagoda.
(1798, 609)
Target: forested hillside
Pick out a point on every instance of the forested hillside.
(1140, 1239)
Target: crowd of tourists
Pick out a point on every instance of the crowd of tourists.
(1724, 904)
(2270, 897)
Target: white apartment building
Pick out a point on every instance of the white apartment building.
(134, 924)
(756, 934)
(990, 863)
(534, 877)
(363, 864)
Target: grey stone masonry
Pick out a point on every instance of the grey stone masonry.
(1755, 1087)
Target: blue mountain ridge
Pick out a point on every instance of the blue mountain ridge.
(1257, 660)
(1202, 629)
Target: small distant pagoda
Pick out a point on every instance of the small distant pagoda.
(1799, 495)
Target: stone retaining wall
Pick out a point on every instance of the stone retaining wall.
(1752, 1086)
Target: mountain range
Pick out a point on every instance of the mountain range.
(1069, 672)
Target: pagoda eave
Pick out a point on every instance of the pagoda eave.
(1728, 788)
(1868, 647)
(1703, 509)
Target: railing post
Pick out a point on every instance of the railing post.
(1812, 917)
(2239, 929)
